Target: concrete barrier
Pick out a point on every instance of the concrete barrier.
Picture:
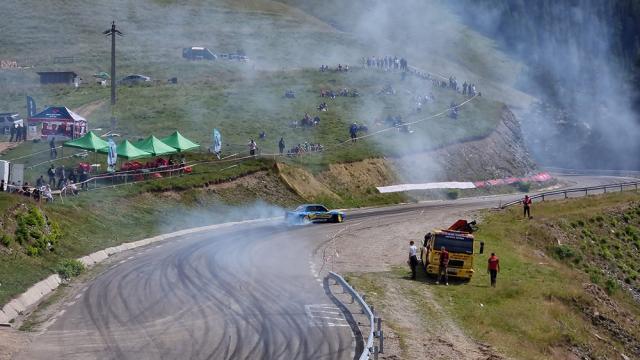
(38, 291)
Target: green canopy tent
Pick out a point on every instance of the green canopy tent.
(179, 142)
(127, 150)
(154, 146)
(90, 142)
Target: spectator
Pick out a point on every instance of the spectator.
(526, 204)
(281, 145)
(2, 186)
(22, 133)
(83, 179)
(413, 259)
(493, 267)
(12, 131)
(444, 264)
(52, 175)
(353, 132)
(53, 153)
(252, 147)
(62, 176)
(71, 187)
(262, 135)
(47, 193)
(40, 182)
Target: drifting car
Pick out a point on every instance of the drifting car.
(313, 213)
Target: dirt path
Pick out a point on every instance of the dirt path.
(87, 109)
(4, 146)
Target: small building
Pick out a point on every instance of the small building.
(57, 77)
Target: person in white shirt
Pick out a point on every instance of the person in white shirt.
(413, 259)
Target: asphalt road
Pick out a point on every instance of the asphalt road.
(243, 292)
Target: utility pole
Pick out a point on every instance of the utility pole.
(113, 32)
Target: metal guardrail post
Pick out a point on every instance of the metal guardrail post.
(566, 195)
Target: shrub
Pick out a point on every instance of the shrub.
(32, 251)
(564, 252)
(69, 268)
(611, 286)
(5, 240)
(523, 186)
(453, 194)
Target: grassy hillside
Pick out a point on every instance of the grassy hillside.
(243, 108)
(568, 286)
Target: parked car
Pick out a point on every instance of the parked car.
(198, 53)
(7, 120)
(134, 80)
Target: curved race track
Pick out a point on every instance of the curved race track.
(241, 292)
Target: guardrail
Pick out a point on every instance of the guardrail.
(584, 190)
(368, 348)
(600, 172)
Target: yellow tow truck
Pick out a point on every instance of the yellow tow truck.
(460, 244)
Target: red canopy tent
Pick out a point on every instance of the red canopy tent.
(59, 121)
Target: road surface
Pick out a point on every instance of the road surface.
(243, 292)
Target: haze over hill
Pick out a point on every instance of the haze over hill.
(577, 128)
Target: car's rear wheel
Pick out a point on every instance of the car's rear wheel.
(337, 218)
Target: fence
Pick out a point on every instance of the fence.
(368, 348)
(584, 190)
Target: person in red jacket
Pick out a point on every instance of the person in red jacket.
(444, 263)
(493, 268)
(526, 203)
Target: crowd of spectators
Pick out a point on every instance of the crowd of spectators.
(385, 62)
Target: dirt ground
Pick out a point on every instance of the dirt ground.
(410, 332)
(4, 146)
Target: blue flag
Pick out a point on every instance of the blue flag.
(31, 106)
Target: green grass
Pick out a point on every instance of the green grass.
(244, 108)
(532, 309)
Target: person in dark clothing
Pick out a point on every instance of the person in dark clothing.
(353, 132)
(12, 131)
(40, 182)
(51, 173)
(53, 153)
(21, 133)
(83, 179)
(413, 259)
(281, 145)
(62, 176)
(526, 204)
(493, 267)
(444, 264)
(2, 186)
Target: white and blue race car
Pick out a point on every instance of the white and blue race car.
(313, 213)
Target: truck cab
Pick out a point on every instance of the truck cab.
(459, 244)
